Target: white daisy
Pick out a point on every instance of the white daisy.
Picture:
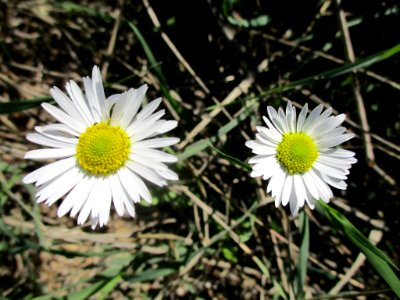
(104, 148)
(299, 155)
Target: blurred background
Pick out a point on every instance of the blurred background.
(216, 233)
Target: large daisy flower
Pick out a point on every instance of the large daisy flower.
(103, 149)
(299, 156)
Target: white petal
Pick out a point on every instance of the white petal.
(45, 141)
(76, 93)
(92, 100)
(40, 154)
(138, 127)
(343, 163)
(287, 190)
(112, 100)
(126, 180)
(267, 168)
(118, 194)
(119, 108)
(302, 118)
(266, 141)
(69, 182)
(156, 143)
(57, 129)
(141, 186)
(331, 171)
(94, 222)
(328, 126)
(90, 202)
(148, 110)
(148, 162)
(98, 89)
(256, 173)
(275, 185)
(50, 171)
(310, 185)
(293, 203)
(273, 137)
(133, 102)
(146, 173)
(336, 141)
(62, 117)
(283, 120)
(275, 119)
(66, 104)
(275, 134)
(61, 136)
(312, 118)
(262, 159)
(336, 183)
(78, 195)
(324, 190)
(291, 117)
(104, 203)
(168, 174)
(158, 155)
(300, 194)
(260, 148)
(88, 185)
(160, 127)
(163, 126)
(60, 184)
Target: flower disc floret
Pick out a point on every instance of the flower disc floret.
(103, 149)
(297, 152)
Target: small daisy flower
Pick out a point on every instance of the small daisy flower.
(299, 155)
(103, 149)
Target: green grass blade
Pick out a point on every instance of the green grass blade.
(86, 292)
(155, 65)
(203, 144)
(20, 105)
(108, 287)
(194, 148)
(381, 263)
(151, 274)
(303, 255)
(232, 159)
(345, 69)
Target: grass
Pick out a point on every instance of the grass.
(216, 233)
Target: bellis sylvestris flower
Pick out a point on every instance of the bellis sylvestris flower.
(103, 149)
(299, 156)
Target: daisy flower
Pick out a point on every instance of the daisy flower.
(103, 148)
(299, 156)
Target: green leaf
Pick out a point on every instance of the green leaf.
(228, 6)
(381, 263)
(229, 255)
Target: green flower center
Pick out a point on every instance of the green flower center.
(103, 149)
(297, 152)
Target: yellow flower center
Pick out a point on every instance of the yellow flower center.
(297, 152)
(103, 149)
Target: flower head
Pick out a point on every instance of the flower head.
(299, 156)
(103, 150)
